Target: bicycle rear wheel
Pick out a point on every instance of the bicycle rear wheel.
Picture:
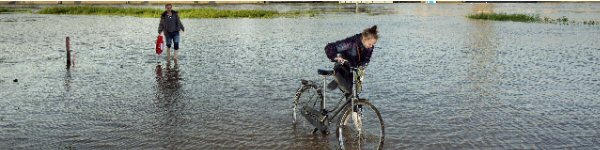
(308, 94)
(366, 132)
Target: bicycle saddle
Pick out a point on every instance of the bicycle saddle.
(325, 72)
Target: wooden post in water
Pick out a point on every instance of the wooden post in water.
(68, 53)
(356, 8)
(73, 58)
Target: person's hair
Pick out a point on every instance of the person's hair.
(370, 32)
(168, 5)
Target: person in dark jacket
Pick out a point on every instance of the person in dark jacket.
(356, 51)
(170, 25)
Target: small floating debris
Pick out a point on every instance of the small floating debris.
(15, 80)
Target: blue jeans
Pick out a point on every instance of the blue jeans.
(172, 37)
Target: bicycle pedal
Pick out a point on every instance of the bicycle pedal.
(304, 81)
(324, 112)
(322, 120)
(315, 130)
(357, 108)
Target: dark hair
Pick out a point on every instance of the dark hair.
(370, 32)
(168, 5)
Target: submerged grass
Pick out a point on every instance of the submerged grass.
(529, 18)
(91, 10)
(4, 10)
(506, 17)
(217, 13)
(10, 10)
(591, 22)
(561, 20)
(184, 13)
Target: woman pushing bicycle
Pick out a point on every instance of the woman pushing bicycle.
(351, 56)
(356, 51)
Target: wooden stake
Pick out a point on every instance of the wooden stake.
(68, 53)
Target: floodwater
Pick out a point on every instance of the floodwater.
(440, 80)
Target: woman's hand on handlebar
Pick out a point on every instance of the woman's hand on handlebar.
(340, 60)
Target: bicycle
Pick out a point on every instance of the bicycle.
(367, 122)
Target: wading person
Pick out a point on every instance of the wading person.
(170, 25)
(354, 51)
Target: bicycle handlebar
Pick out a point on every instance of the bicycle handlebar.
(347, 64)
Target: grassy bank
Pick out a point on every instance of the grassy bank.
(529, 18)
(505, 17)
(10, 10)
(184, 13)
(4, 10)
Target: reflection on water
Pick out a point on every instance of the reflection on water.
(167, 84)
(482, 8)
(169, 104)
(67, 84)
(440, 80)
(482, 53)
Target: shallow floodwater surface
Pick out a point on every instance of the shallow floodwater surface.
(440, 80)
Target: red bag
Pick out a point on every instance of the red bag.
(159, 44)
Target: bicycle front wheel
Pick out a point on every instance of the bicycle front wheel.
(361, 129)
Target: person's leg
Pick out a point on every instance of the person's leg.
(176, 44)
(168, 54)
(343, 77)
(175, 54)
(357, 121)
(169, 39)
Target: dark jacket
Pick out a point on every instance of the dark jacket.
(170, 24)
(349, 49)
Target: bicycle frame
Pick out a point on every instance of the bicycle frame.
(321, 118)
(352, 99)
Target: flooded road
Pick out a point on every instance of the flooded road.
(440, 80)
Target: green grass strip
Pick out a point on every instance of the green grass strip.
(183, 13)
(506, 17)
(11, 10)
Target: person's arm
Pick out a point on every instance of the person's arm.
(179, 23)
(161, 24)
(331, 51)
(336, 49)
